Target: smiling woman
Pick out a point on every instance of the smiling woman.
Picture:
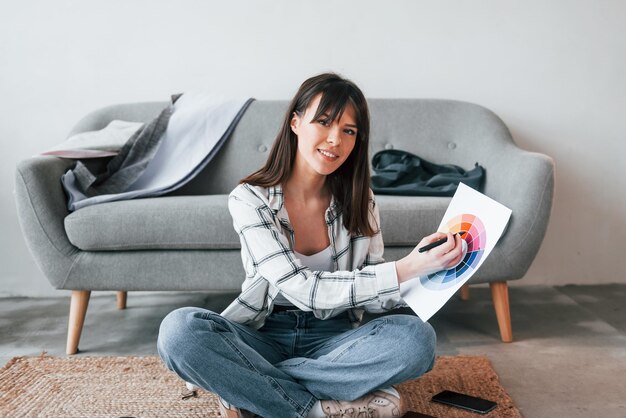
(292, 343)
(322, 139)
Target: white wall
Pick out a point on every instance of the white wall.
(552, 70)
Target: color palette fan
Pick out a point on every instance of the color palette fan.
(476, 238)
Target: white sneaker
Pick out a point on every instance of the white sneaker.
(379, 404)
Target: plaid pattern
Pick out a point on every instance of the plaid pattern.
(361, 280)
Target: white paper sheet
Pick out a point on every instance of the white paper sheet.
(484, 221)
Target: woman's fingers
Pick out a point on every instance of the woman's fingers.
(442, 257)
(457, 252)
(431, 238)
(447, 246)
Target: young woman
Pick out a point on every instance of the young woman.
(292, 344)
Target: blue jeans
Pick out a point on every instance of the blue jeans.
(282, 369)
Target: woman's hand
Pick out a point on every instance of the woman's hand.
(443, 257)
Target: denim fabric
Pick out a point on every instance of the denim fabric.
(283, 368)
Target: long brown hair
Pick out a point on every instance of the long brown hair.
(350, 183)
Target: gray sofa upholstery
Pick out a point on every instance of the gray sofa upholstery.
(185, 240)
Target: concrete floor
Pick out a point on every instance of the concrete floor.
(568, 358)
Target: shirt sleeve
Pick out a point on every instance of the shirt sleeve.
(272, 258)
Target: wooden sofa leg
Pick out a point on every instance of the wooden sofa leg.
(464, 292)
(78, 310)
(121, 299)
(500, 296)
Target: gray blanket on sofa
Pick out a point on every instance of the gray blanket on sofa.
(162, 156)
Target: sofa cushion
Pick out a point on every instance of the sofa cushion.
(203, 222)
(180, 222)
(405, 220)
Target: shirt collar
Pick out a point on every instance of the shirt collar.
(276, 198)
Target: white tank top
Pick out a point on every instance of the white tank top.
(322, 261)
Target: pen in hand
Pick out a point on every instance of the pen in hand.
(437, 243)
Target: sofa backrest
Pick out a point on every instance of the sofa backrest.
(442, 131)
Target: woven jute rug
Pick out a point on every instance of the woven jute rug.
(142, 387)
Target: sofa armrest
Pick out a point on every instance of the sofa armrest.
(524, 182)
(42, 208)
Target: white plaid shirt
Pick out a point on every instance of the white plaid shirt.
(361, 278)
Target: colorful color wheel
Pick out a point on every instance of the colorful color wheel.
(476, 238)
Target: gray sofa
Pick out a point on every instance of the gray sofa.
(185, 240)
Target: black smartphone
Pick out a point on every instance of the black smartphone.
(460, 400)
